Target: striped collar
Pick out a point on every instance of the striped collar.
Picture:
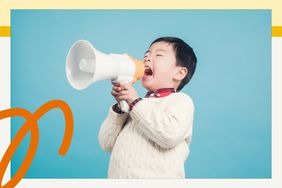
(160, 93)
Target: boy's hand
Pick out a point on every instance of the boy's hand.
(124, 91)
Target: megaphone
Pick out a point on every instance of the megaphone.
(86, 65)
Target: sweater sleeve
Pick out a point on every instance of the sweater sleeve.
(110, 129)
(168, 123)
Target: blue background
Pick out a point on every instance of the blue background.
(231, 88)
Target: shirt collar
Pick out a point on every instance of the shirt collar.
(160, 93)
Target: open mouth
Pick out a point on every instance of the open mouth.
(148, 72)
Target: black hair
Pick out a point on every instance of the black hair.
(184, 55)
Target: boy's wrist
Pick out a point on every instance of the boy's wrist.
(132, 104)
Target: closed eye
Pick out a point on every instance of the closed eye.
(159, 55)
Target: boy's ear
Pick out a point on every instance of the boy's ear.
(181, 73)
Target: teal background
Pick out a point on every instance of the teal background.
(231, 88)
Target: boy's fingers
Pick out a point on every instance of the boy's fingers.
(119, 93)
(122, 97)
(116, 84)
(127, 85)
(123, 92)
(114, 93)
(116, 88)
(121, 86)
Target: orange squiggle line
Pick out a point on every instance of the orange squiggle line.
(32, 126)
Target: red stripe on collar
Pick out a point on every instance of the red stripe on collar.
(160, 93)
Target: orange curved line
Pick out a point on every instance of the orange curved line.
(34, 141)
(29, 125)
(68, 118)
(15, 112)
(9, 153)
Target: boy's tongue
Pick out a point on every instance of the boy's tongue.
(148, 72)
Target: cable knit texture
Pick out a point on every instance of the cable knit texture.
(152, 141)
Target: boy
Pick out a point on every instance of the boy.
(152, 140)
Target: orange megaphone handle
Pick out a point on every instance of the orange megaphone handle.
(139, 69)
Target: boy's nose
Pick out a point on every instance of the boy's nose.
(147, 60)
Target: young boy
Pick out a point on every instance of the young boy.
(152, 140)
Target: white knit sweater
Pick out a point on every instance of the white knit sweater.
(152, 141)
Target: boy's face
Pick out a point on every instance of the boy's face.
(160, 67)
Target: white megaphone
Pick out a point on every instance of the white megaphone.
(86, 65)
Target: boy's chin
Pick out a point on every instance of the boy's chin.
(146, 84)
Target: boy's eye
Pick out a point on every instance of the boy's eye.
(159, 55)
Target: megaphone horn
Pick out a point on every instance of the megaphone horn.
(86, 65)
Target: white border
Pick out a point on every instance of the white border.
(276, 180)
(177, 183)
(276, 109)
(5, 98)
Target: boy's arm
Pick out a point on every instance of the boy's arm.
(167, 124)
(110, 129)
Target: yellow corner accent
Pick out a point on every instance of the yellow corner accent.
(5, 31)
(277, 31)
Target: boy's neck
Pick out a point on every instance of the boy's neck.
(162, 92)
